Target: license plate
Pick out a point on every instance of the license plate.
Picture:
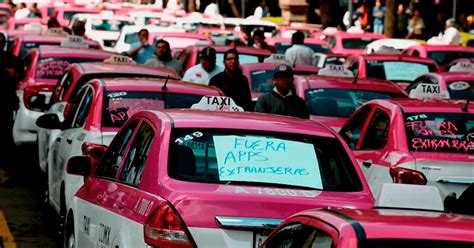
(259, 238)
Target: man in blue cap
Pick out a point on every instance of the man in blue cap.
(282, 100)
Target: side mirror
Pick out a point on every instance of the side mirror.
(38, 102)
(79, 165)
(49, 121)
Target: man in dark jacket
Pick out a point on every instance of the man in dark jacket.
(282, 100)
(232, 82)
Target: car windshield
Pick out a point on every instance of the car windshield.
(68, 14)
(261, 80)
(131, 38)
(337, 102)
(413, 243)
(243, 59)
(397, 70)
(109, 25)
(53, 68)
(461, 89)
(440, 132)
(281, 47)
(356, 43)
(444, 57)
(34, 44)
(120, 105)
(261, 158)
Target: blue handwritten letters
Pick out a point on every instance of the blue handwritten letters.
(260, 159)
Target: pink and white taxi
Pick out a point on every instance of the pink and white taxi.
(99, 110)
(75, 76)
(351, 42)
(373, 228)
(193, 178)
(414, 142)
(442, 54)
(45, 65)
(332, 98)
(457, 85)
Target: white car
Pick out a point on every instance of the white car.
(379, 46)
(129, 35)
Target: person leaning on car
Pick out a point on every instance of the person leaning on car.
(282, 100)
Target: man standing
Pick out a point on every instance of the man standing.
(282, 100)
(141, 51)
(378, 13)
(232, 82)
(163, 58)
(298, 53)
(205, 70)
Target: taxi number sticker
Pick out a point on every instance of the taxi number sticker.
(104, 234)
(188, 137)
(416, 117)
(275, 192)
(116, 94)
(87, 225)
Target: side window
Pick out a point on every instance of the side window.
(352, 131)
(112, 159)
(376, 135)
(75, 108)
(317, 238)
(83, 110)
(133, 166)
(61, 86)
(287, 236)
(415, 53)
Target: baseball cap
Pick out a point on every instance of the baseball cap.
(208, 53)
(282, 70)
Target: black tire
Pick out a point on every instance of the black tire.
(69, 237)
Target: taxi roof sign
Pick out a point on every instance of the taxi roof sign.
(429, 91)
(74, 41)
(276, 59)
(462, 67)
(55, 32)
(335, 71)
(120, 59)
(217, 103)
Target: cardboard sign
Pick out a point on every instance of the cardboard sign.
(120, 59)
(217, 103)
(276, 59)
(462, 67)
(74, 41)
(428, 91)
(261, 159)
(335, 71)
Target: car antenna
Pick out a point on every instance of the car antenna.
(464, 108)
(166, 82)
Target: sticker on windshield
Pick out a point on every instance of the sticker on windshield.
(459, 85)
(260, 159)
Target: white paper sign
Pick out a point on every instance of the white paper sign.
(217, 103)
(260, 159)
(429, 91)
(335, 71)
(403, 70)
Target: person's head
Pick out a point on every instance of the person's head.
(53, 22)
(163, 50)
(258, 38)
(450, 23)
(416, 13)
(378, 3)
(3, 41)
(207, 58)
(79, 28)
(231, 60)
(297, 38)
(143, 35)
(22, 6)
(283, 78)
(401, 8)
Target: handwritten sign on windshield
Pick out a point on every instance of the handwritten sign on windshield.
(403, 71)
(51, 68)
(269, 160)
(121, 109)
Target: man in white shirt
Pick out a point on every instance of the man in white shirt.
(451, 34)
(298, 53)
(205, 70)
(22, 11)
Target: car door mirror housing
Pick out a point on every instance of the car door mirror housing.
(79, 165)
(49, 121)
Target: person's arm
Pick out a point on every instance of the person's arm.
(135, 50)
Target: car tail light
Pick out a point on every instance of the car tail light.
(34, 90)
(407, 176)
(93, 151)
(164, 228)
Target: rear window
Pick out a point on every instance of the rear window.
(259, 158)
(281, 47)
(131, 38)
(461, 89)
(120, 105)
(182, 42)
(340, 102)
(109, 25)
(440, 132)
(397, 70)
(53, 68)
(444, 57)
(414, 243)
(356, 43)
(261, 80)
(243, 59)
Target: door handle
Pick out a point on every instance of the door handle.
(69, 141)
(58, 139)
(367, 163)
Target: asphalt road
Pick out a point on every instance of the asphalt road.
(31, 223)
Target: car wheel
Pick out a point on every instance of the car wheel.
(70, 238)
